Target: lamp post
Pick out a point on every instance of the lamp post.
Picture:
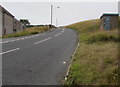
(52, 15)
(56, 22)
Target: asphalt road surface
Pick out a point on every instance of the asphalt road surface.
(40, 59)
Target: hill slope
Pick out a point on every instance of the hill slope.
(95, 61)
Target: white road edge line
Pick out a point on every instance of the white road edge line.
(9, 51)
(43, 40)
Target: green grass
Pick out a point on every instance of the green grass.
(28, 31)
(95, 62)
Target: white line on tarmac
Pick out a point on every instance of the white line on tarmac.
(63, 30)
(43, 40)
(9, 51)
(29, 37)
(21, 38)
(17, 39)
(4, 42)
(13, 40)
(59, 33)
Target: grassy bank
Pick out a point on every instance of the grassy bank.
(96, 60)
(28, 31)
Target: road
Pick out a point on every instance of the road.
(40, 59)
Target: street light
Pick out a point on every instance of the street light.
(52, 15)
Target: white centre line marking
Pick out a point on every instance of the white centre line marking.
(43, 40)
(9, 41)
(59, 33)
(20, 38)
(17, 39)
(63, 30)
(9, 51)
(4, 42)
(13, 40)
(27, 37)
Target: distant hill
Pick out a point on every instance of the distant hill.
(90, 26)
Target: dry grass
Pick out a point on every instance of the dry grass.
(94, 64)
(95, 61)
(28, 31)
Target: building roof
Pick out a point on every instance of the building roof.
(109, 14)
(0, 8)
(5, 11)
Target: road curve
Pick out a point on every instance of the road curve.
(40, 59)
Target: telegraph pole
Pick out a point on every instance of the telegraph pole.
(51, 15)
(56, 22)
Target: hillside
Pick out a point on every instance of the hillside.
(96, 59)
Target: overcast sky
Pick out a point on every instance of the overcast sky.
(68, 13)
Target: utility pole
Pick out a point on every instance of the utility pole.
(56, 22)
(51, 15)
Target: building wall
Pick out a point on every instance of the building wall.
(1, 21)
(114, 22)
(8, 23)
(107, 23)
(21, 26)
(102, 23)
(16, 25)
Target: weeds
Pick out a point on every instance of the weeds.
(95, 62)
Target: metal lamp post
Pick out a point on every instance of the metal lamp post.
(52, 15)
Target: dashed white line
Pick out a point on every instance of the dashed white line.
(13, 40)
(29, 37)
(43, 40)
(20, 39)
(4, 42)
(62, 30)
(9, 51)
(10, 41)
(17, 39)
(59, 33)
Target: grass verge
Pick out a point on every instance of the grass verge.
(96, 60)
(28, 31)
